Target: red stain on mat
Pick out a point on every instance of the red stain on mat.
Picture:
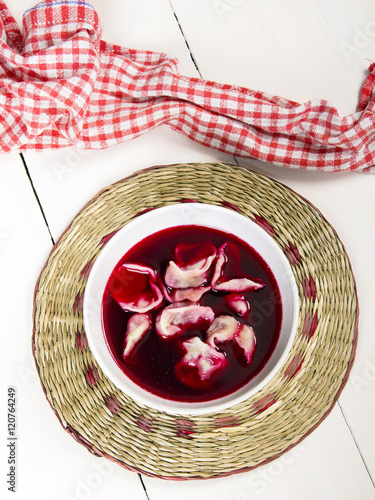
(113, 404)
(78, 302)
(144, 423)
(184, 428)
(309, 325)
(85, 271)
(81, 341)
(106, 238)
(292, 254)
(264, 403)
(294, 366)
(309, 288)
(227, 204)
(229, 421)
(91, 374)
(264, 224)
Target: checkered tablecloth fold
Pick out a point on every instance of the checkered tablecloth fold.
(62, 85)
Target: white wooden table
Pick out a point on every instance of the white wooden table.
(297, 49)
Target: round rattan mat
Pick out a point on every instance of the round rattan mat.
(294, 402)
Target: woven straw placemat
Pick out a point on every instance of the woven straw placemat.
(294, 402)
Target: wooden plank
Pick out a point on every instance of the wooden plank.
(285, 50)
(49, 464)
(353, 27)
(67, 179)
(144, 25)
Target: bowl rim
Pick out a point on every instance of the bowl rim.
(92, 307)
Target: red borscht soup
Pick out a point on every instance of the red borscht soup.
(191, 313)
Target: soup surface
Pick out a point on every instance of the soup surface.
(162, 364)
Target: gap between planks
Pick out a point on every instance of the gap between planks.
(36, 196)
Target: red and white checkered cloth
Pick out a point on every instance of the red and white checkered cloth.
(61, 85)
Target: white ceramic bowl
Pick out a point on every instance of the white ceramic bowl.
(176, 215)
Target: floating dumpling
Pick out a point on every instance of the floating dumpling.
(137, 327)
(246, 339)
(182, 316)
(225, 328)
(199, 363)
(222, 284)
(222, 329)
(237, 303)
(134, 288)
(191, 294)
(192, 265)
